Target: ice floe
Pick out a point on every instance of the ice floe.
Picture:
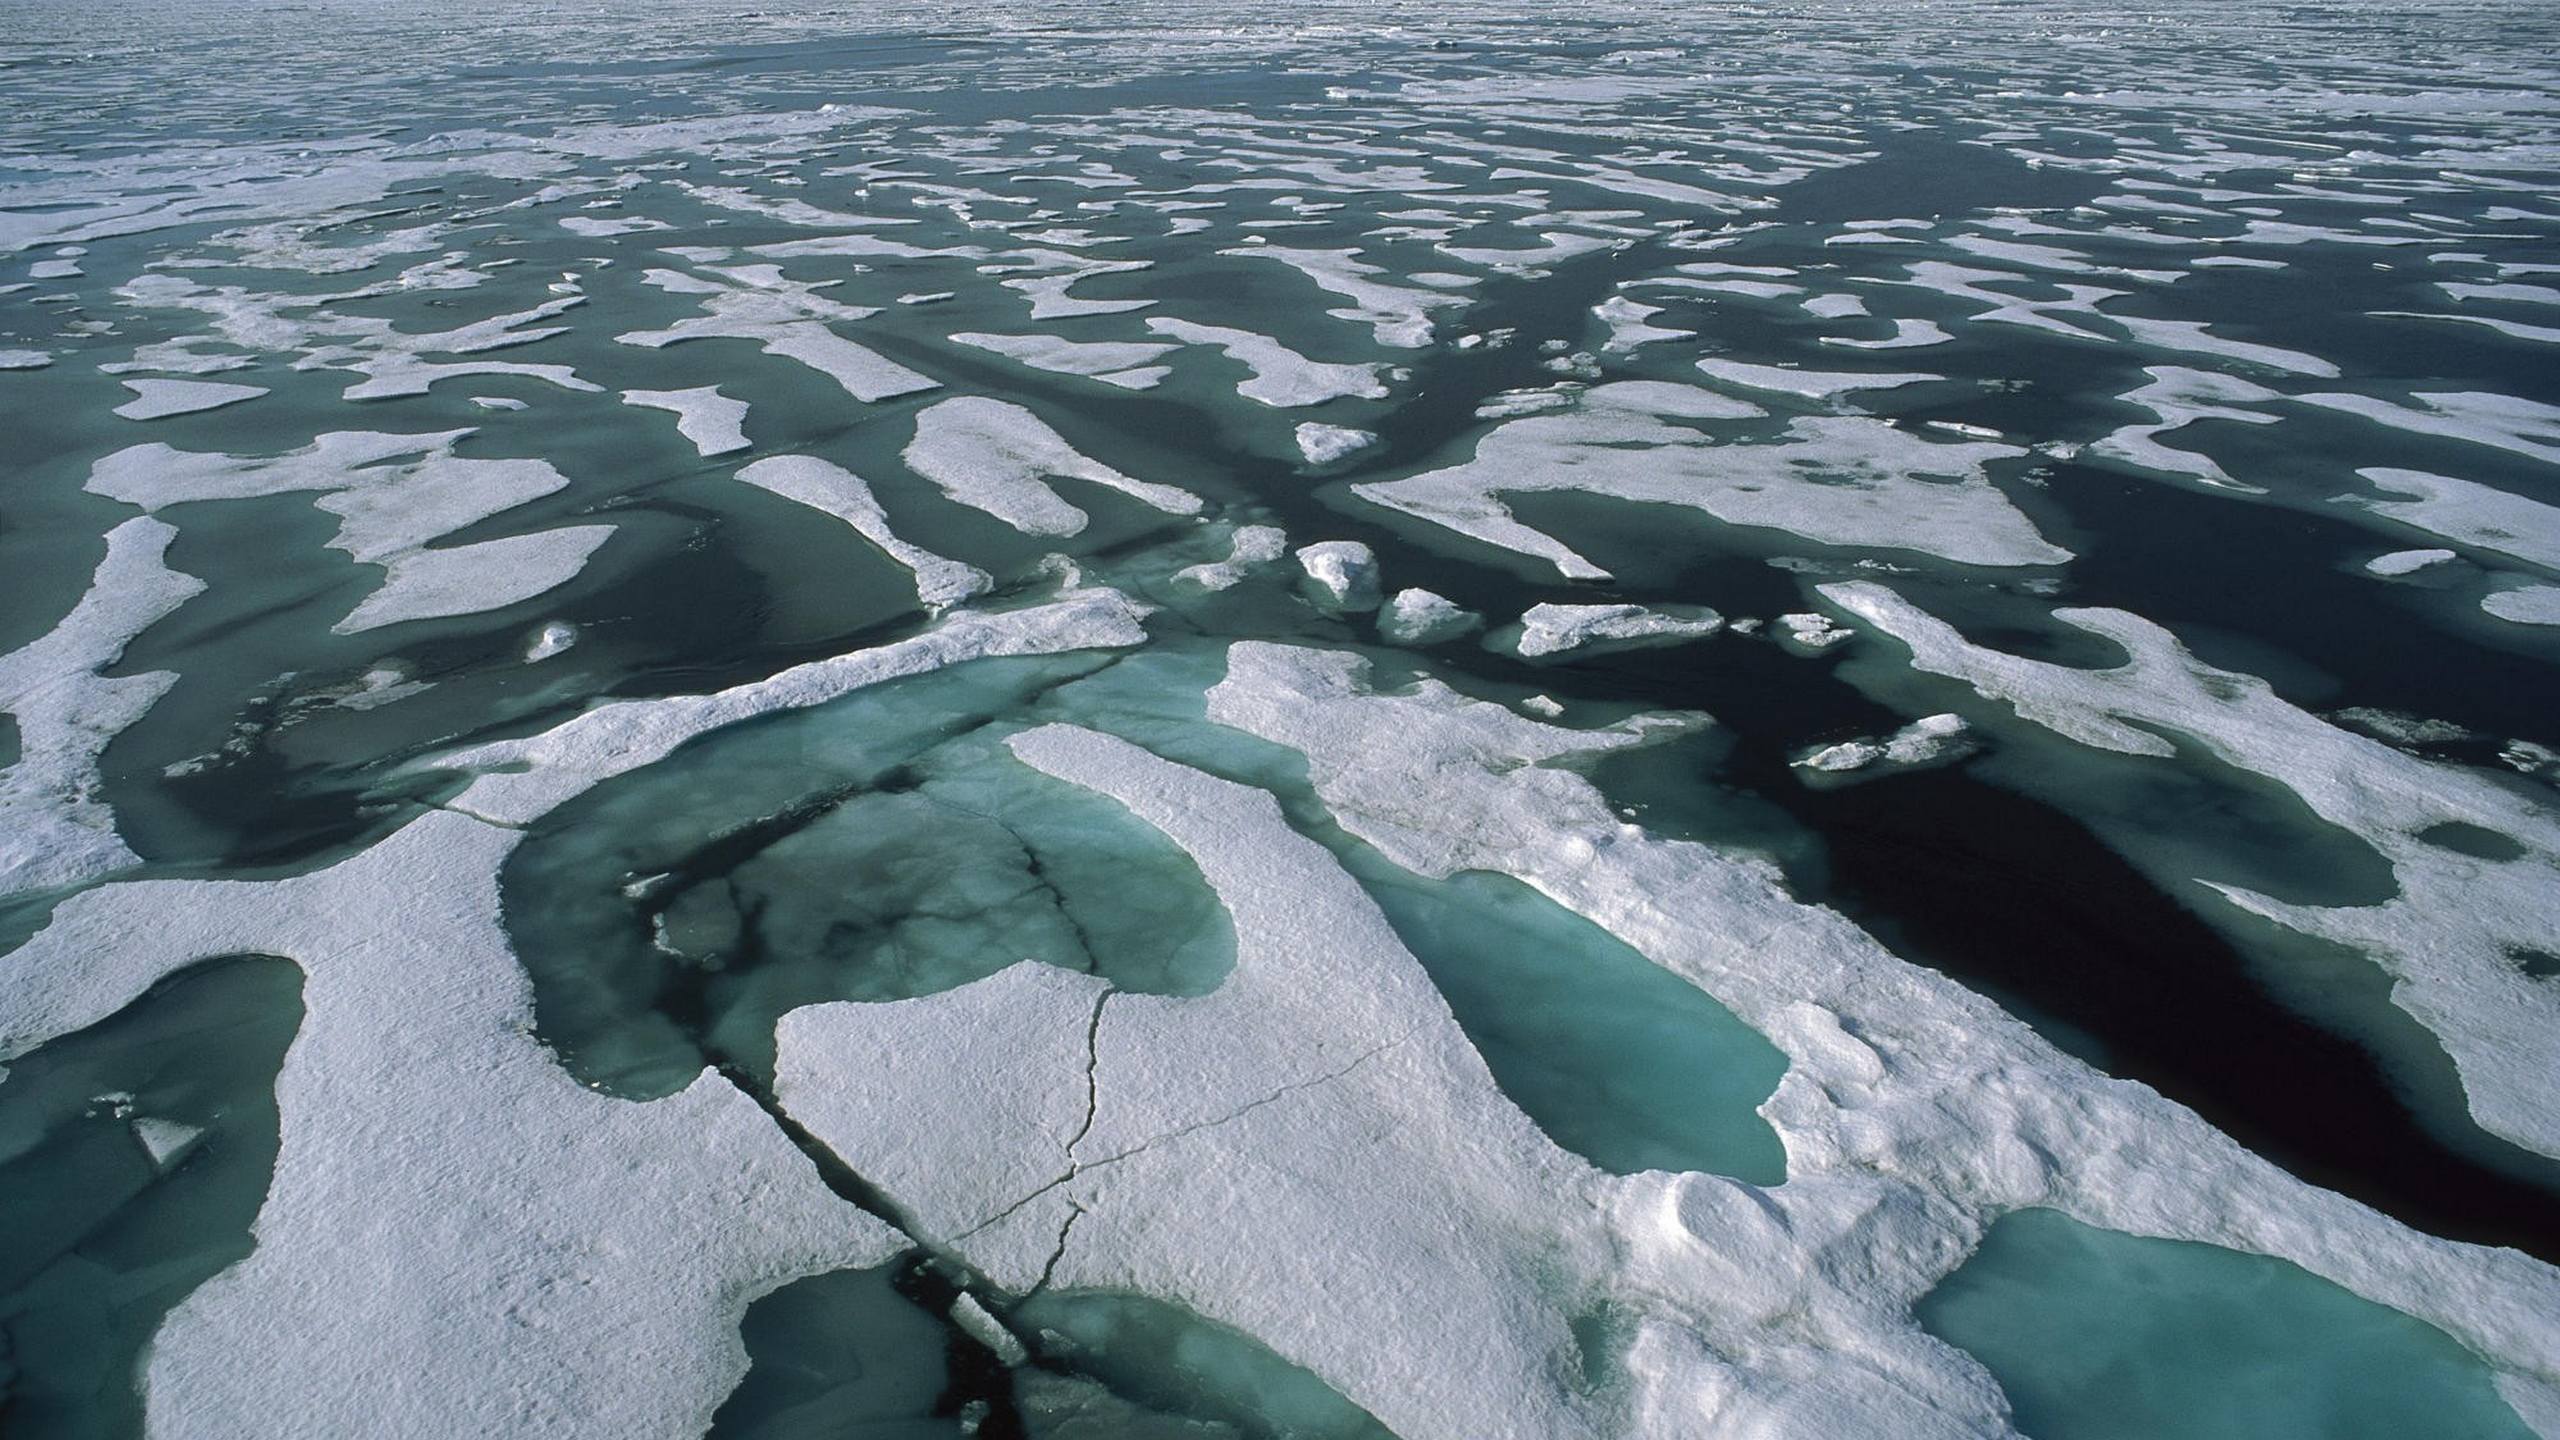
(1324, 444)
(1113, 362)
(444, 1191)
(154, 399)
(1282, 377)
(1548, 631)
(1415, 616)
(714, 422)
(1838, 480)
(824, 486)
(1344, 573)
(55, 828)
(1251, 547)
(993, 455)
(2500, 1026)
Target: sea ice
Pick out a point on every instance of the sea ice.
(1837, 480)
(831, 488)
(1419, 617)
(714, 422)
(1324, 444)
(55, 828)
(1547, 631)
(991, 455)
(1343, 572)
(2501, 1028)
(153, 399)
(1282, 378)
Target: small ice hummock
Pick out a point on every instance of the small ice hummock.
(1344, 573)
(1811, 633)
(1253, 546)
(2405, 562)
(554, 637)
(1324, 444)
(1422, 617)
(1547, 631)
(1930, 740)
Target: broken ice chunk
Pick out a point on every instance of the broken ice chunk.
(1420, 617)
(1551, 630)
(1345, 571)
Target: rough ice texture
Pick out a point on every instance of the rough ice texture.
(1282, 377)
(1113, 362)
(1811, 631)
(1877, 487)
(25, 359)
(715, 423)
(153, 399)
(992, 455)
(1320, 1116)
(2406, 562)
(1344, 573)
(1324, 444)
(2467, 513)
(539, 1258)
(469, 579)
(1420, 617)
(55, 829)
(822, 485)
(1929, 740)
(1251, 547)
(1548, 631)
(524, 778)
(2501, 1027)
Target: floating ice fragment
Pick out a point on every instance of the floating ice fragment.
(1282, 378)
(991, 455)
(1112, 362)
(822, 485)
(1930, 740)
(55, 828)
(554, 637)
(1811, 384)
(1324, 444)
(153, 399)
(166, 1141)
(1546, 631)
(2525, 604)
(1344, 573)
(1252, 546)
(469, 579)
(1812, 632)
(24, 359)
(2406, 562)
(714, 422)
(1420, 617)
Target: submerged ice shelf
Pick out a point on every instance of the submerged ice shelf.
(1231, 724)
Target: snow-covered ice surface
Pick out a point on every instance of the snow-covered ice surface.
(1221, 721)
